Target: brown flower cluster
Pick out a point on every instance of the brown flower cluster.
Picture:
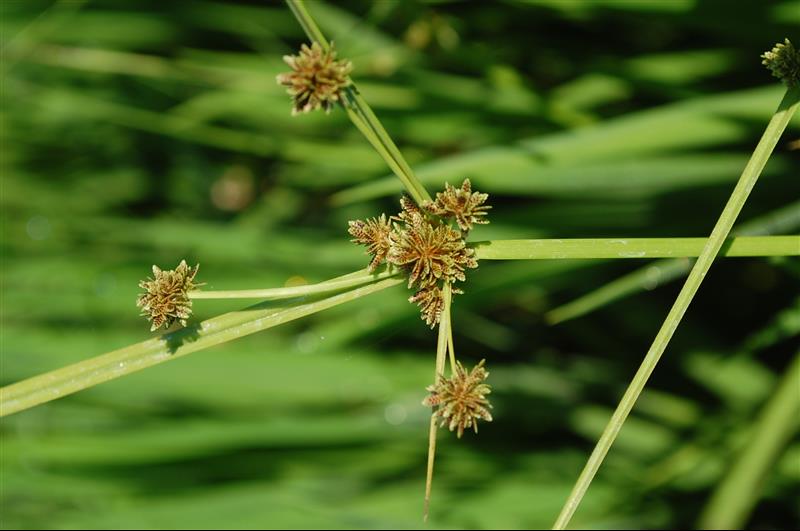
(462, 204)
(424, 245)
(374, 234)
(429, 251)
(317, 78)
(784, 62)
(461, 399)
(166, 298)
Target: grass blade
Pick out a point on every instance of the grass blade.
(271, 294)
(785, 219)
(734, 499)
(720, 232)
(633, 248)
(441, 355)
(227, 327)
(363, 117)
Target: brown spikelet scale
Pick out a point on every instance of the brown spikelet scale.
(410, 213)
(460, 400)
(166, 299)
(317, 78)
(462, 204)
(374, 234)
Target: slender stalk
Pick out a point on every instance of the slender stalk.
(784, 220)
(372, 137)
(97, 370)
(633, 248)
(451, 348)
(734, 498)
(441, 354)
(227, 327)
(720, 232)
(362, 115)
(360, 110)
(308, 24)
(648, 277)
(271, 294)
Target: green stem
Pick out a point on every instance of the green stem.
(272, 294)
(227, 327)
(441, 354)
(372, 137)
(132, 357)
(720, 232)
(363, 117)
(451, 348)
(734, 498)
(359, 110)
(650, 276)
(633, 248)
(308, 24)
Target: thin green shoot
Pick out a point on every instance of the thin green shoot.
(363, 117)
(785, 219)
(91, 372)
(752, 171)
(733, 499)
(441, 354)
(271, 294)
(169, 346)
(633, 248)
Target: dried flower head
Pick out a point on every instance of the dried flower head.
(427, 248)
(784, 62)
(317, 78)
(461, 399)
(431, 303)
(430, 253)
(374, 234)
(166, 298)
(466, 206)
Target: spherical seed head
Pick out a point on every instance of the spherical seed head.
(462, 204)
(461, 399)
(166, 299)
(784, 62)
(430, 253)
(317, 78)
(374, 234)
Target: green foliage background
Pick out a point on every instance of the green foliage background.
(143, 132)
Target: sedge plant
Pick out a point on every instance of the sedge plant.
(423, 246)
